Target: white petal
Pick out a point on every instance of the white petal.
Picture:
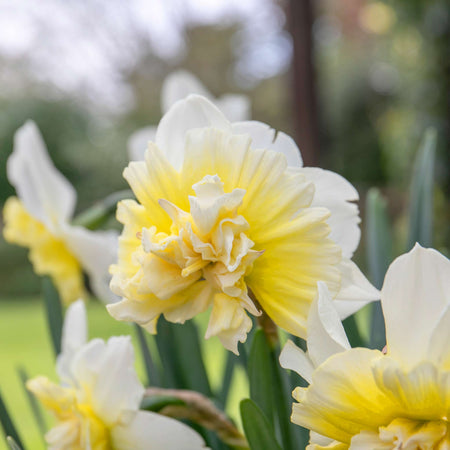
(74, 336)
(138, 142)
(265, 137)
(46, 193)
(178, 85)
(294, 358)
(235, 107)
(326, 335)
(106, 375)
(337, 194)
(193, 112)
(356, 290)
(415, 293)
(96, 250)
(229, 322)
(144, 430)
(439, 348)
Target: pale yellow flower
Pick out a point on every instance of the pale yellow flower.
(96, 404)
(364, 399)
(221, 212)
(39, 218)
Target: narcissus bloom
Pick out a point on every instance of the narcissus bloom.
(96, 405)
(177, 86)
(364, 399)
(221, 213)
(39, 218)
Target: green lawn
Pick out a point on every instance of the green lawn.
(24, 341)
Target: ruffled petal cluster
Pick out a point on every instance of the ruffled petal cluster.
(39, 218)
(365, 399)
(96, 404)
(222, 219)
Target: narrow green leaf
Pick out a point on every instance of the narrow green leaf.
(7, 424)
(34, 405)
(167, 349)
(421, 200)
(227, 378)
(260, 375)
(99, 213)
(257, 428)
(12, 444)
(152, 371)
(379, 239)
(54, 312)
(352, 331)
(189, 355)
(379, 256)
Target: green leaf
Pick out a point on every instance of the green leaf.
(98, 214)
(353, 333)
(167, 349)
(54, 312)
(34, 405)
(152, 371)
(189, 355)
(293, 436)
(257, 429)
(379, 239)
(260, 375)
(12, 444)
(379, 256)
(227, 378)
(421, 200)
(7, 424)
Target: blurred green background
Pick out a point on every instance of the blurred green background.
(356, 83)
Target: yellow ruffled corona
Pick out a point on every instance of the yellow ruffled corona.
(365, 399)
(218, 226)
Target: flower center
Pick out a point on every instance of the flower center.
(209, 242)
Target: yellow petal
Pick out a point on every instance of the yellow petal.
(48, 253)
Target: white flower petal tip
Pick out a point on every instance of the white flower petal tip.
(294, 358)
(265, 137)
(192, 112)
(415, 296)
(326, 335)
(338, 195)
(46, 193)
(356, 290)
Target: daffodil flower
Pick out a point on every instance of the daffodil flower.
(39, 218)
(177, 86)
(368, 399)
(96, 404)
(226, 215)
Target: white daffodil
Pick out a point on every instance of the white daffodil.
(39, 218)
(177, 86)
(96, 404)
(226, 214)
(365, 399)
